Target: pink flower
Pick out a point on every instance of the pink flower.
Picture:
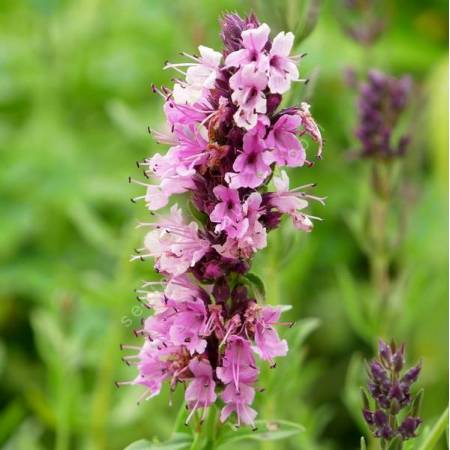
(192, 143)
(175, 246)
(200, 392)
(282, 68)
(186, 114)
(187, 326)
(291, 202)
(248, 235)
(157, 363)
(253, 41)
(287, 149)
(238, 364)
(248, 85)
(251, 166)
(268, 344)
(200, 76)
(238, 400)
(229, 210)
(175, 178)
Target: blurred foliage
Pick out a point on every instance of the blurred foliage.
(75, 101)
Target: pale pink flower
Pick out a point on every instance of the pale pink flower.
(248, 235)
(200, 76)
(292, 202)
(248, 85)
(157, 363)
(253, 41)
(282, 139)
(268, 344)
(175, 245)
(282, 68)
(200, 392)
(229, 210)
(251, 165)
(187, 326)
(238, 365)
(238, 400)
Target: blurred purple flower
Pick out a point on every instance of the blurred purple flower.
(391, 394)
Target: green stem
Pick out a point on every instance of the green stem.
(196, 442)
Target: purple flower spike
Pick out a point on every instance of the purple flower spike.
(382, 101)
(226, 138)
(392, 398)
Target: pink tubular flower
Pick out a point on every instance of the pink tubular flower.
(238, 400)
(201, 390)
(187, 326)
(200, 75)
(248, 85)
(229, 210)
(157, 363)
(248, 235)
(238, 372)
(286, 148)
(291, 202)
(253, 42)
(282, 68)
(251, 166)
(238, 363)
(174, 245)
(268, 344)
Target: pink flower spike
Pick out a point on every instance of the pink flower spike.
(286, 148)
(282, 68)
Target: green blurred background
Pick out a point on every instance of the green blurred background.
(75, 101)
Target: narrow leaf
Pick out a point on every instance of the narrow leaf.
(266, 430)
(258, 286)
(179, 441)
(436, 432)
(396, 444)
(363, 444)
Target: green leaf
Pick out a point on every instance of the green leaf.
(180, 426)
(257, 285)
(353, 303)
(363, 444)
(352, 391)
(178, 441)
(266, 430)
(435, 433)
(396, 444)
(417, 404)
(198, 215)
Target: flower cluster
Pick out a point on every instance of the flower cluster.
(227, 136)
(382, 100)
(390, 388)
